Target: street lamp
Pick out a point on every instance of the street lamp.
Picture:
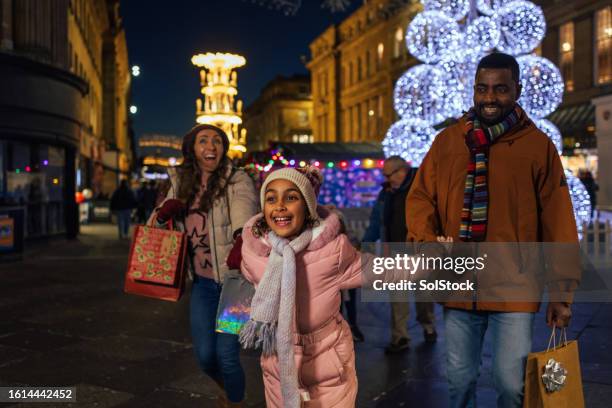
(135, 70)
(133, 109)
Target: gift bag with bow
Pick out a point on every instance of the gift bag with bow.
(552, 377)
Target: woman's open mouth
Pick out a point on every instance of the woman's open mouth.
(211, 158)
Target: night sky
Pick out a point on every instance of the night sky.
(162, 37)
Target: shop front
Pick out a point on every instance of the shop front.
(41, 116)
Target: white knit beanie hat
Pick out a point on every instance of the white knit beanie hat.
(307, 179)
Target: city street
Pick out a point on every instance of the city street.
(68, 323)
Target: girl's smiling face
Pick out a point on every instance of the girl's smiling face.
(284, 208)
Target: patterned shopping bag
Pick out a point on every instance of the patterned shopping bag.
(156, 265)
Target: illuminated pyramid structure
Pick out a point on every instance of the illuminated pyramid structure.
(219, 106)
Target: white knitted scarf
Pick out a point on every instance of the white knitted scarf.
(274, 304)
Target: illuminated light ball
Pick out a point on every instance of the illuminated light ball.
(330, 164)
(368, 163)
(357, 163)
(460, 71)
(489, 7)
(410, 139)
(302, 164)
(542, 86)
(343, 164)
(422, 92)
(292, 162)
(457, 9)
(481, 36)
(316, 164)
(431, 35)
(522, 25)
(551, 131)
(580, 201)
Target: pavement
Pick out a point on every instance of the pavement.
(67, 322)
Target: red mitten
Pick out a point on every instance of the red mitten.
(235, 256)
(170, 209)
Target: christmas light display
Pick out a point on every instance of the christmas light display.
(481, 36)
(442, 88)
(580, 200)
(542, 86)
(347, 183)
(410, 139)
(489, 7)
(551, 131)
(522, 26)
(431, 35)
(456, 9)
(218, 79)
(422, 92)
(461, 71)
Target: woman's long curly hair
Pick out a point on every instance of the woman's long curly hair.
(190, 175)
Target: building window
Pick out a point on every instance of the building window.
(351, 73)
(301, 138)
(566, 53)
(359, 69)
(603, 39)
(367, 62)
(399, 41)
(358, 121)
(381, 51)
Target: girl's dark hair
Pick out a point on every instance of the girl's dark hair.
(260, 228)
(190, 176)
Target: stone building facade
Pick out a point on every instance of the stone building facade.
(282, 113)
(55, 114)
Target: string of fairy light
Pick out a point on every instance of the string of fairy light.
(279, 160)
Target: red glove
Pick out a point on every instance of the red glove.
(171, 209)
(235, 256)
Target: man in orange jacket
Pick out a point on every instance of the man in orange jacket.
(494, 177)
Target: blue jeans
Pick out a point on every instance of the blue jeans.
(511, 337)
(124, 218)
(218, 353)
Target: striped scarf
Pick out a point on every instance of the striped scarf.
(478, 138)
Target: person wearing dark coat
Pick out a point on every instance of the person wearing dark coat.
(122, 203)
(388, 224)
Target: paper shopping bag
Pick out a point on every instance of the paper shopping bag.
(553, 378)
(156, 265)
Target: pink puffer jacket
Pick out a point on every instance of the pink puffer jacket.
(324, 345)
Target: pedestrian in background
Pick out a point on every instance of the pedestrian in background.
(122, 203)
(388, 224)
(591, 187)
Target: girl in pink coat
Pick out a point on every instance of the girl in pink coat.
(299, 261)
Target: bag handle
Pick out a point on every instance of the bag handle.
(553, 338)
